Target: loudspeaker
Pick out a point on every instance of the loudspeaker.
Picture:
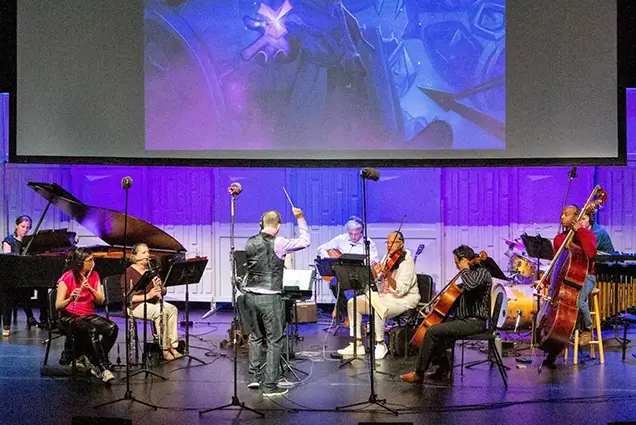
(96, 420)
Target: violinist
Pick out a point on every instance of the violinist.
(399, 293)
(587, 241)
(469, 317)
(350, 242)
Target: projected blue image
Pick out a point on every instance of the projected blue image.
(305, 75)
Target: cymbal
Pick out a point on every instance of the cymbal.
(514, 244)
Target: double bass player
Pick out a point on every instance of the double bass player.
(585, 239)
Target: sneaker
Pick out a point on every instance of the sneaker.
(380, 351)
(284, 383)
(585, 337)
(107, 376)
(254, 385)
(348, 350)
(275, 391)
(6, 332)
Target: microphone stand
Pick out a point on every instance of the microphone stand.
(128, 395)
(373, 397)
(235, 401)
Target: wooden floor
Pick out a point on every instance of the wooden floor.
(585, 394)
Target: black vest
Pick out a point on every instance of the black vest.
(265, 269)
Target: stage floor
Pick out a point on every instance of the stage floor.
(585, 394)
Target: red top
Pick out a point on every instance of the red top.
(85, 304)
(583, 238)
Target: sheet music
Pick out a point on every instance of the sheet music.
(302, 280)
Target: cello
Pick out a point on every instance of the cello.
(564, 278)
(444, 301)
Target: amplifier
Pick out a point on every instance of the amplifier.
(307, 312)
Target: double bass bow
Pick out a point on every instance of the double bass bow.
(564, 278)
(442, 303)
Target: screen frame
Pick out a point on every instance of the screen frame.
(626, 64)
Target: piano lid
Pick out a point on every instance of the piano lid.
(105, 223)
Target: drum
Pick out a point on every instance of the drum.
(518, 304)
(522, 266)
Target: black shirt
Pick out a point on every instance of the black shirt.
(16, 245)
(475, 298)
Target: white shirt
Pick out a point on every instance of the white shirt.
(405, 281)
(346, 246)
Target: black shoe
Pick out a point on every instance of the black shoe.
(31, 322)
(549, 363)
(439, 375)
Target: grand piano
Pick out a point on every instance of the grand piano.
(43, 259)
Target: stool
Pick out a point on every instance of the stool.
(598, 340)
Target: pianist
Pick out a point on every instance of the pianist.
(78, 290)
(154, 306)
(12, 244)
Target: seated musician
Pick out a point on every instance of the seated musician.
(603, 240)
(469, 317)
(78, 290)
(169, 340)
(12, 244)
(393, 301)
(350, 242)
(586, 240)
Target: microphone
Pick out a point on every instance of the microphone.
(235, 188)
(370, 173)
(126, 182)
(572, 174)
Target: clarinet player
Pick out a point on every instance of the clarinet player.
(162, 313)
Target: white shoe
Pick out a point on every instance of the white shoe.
(348, 350)
(107, 376)
(380, 351)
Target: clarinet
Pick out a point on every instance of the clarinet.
(161, 324)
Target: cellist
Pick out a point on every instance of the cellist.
(399, 293)
(587, 241)
(468, 317)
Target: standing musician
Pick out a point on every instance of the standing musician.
(78, 290)
(350, 242)
(12, 244)
(165, 317)
(469, 317)
(399, 293)
(263, 288)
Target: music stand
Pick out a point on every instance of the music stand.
(324, 267)
(539, 248)
(185, 273)
(297, 285)
(354, 275)
(141, 285)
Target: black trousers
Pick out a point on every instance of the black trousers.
(90, 328)
(268, 320)
(437, 340)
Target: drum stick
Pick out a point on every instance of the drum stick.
(288, 198)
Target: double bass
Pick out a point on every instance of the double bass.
(564, 278)
(443, 302)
